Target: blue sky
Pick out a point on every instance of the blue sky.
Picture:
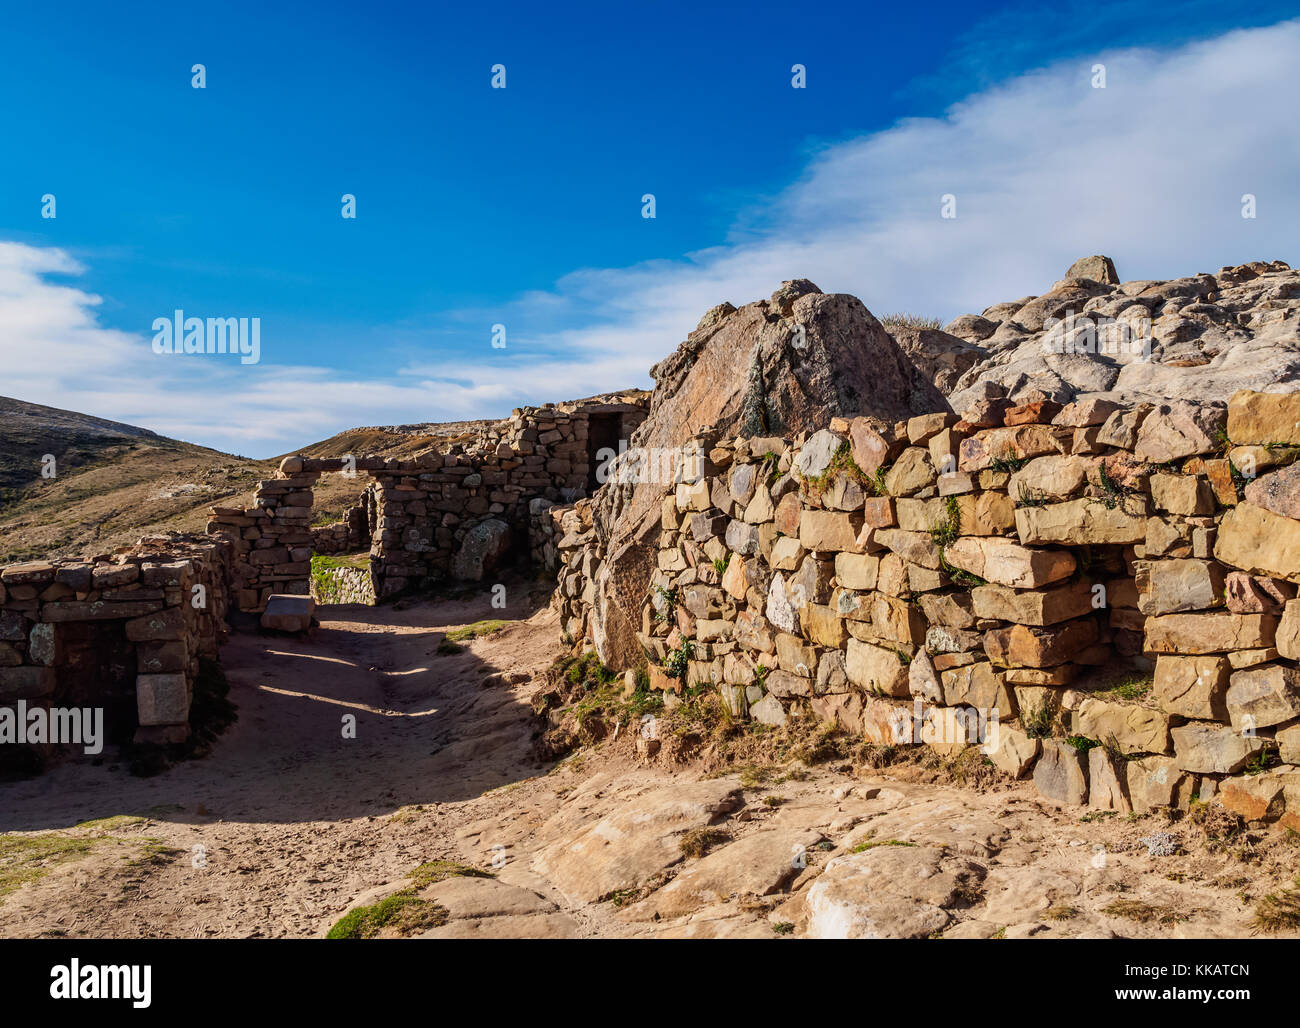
(523, 206)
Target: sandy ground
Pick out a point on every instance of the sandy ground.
(287, 823)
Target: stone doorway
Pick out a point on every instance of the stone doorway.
(604, 432)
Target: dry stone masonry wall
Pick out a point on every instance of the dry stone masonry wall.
(989, 580)
(124, 632)
(453, 514)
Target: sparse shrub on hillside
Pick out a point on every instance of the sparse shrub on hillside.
(893, 321)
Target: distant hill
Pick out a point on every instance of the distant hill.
(113, 483)
(116, 482)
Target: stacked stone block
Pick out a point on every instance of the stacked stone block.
(160, 606)
(428, 517)
(910, 581)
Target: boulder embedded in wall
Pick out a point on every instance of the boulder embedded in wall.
(1259, 541)
(942, 358)
(481, 550)
(1061, 774)
(773, 367)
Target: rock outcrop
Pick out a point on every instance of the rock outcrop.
(773, 367)
(1199, 338)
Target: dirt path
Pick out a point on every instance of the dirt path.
(287, 823)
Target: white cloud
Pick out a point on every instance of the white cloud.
(1045, 169)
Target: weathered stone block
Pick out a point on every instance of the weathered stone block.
(1171, 586)
(162, 699)
(1133, 729)
(1206, 748)
(1193, 687)
(1260, 418)
(1259, 541)
(1006, 563)
(1026, 646)
(1107, 782)
(830, 531)
(1209, 633)
(1263, 696)
(1079, 523)
(1034, 607)
(1061, 774)
(1158, 782)
(876, 669)
(1011, 750)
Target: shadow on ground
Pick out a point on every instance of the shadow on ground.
(430, 727)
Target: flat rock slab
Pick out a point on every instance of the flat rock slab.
(1019, 894)
(939, 824)
(887, 892)
(287, 612)
(486, 897)
(640, 838)
(757, 865)
(533, 926)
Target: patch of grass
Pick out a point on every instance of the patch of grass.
(1132, 688)
(841, 464)
(1279, 911)
(1008, 462)
(1037, 722)
(1142, 912)
(675, 663)
(1261, 762)
(1112, 493)
(904, 320)
(669, 596)
(1098, 815)
(871, 844)
(433, 871)
(1030, 497)
(947, 533)
(783, 927)
(404, 913)
(1081, 742)
(476, 631)
(958, 575)
(26, 858)
(720, 564)
(1061, 912)
(698, 841)
(622, 897)
(589, 672)
(753, 776)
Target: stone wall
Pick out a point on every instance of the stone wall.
(124, 632)
(454, 514)
(343, 585)
(1121, 577)
(352, 532)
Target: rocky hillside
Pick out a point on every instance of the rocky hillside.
(115, 482)
(1199, 338)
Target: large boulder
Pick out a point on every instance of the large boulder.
(481, 550)
(943, 358)
(772, 367)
